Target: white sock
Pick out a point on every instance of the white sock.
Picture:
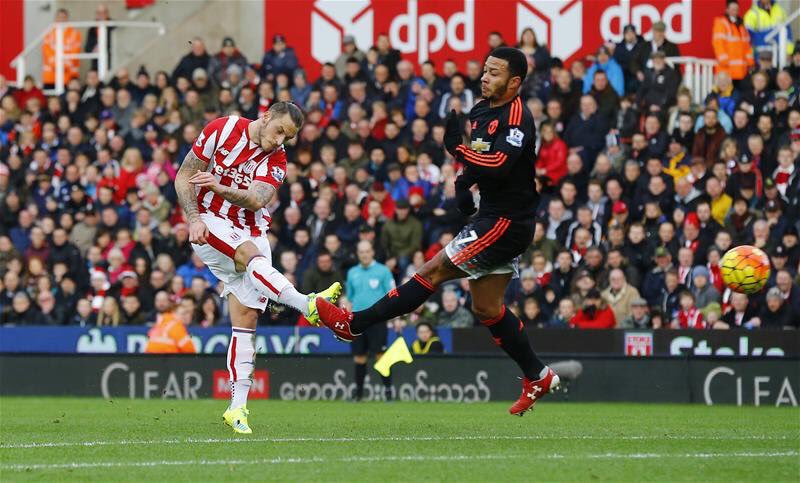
(241, 363)
(274, 285)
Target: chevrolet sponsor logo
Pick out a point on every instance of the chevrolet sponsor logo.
(480, 146)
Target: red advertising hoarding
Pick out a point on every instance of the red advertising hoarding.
(458, 29)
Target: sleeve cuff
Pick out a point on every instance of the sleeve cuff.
(267, 179)
(199, 153)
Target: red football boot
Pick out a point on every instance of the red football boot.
(336, 319)
(532, 391)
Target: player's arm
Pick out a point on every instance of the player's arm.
(255, 197)
(187, 196)
(497, 163)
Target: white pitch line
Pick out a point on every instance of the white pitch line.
(374, 459)
(379, 439)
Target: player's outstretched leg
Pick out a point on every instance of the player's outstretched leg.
(400, 301)
(508, 332)
(275, 286)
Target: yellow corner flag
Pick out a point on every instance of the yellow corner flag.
(397, 352)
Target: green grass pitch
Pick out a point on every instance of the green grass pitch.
(54, 439)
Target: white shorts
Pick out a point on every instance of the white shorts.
(218, 253)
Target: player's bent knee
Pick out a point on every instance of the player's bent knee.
(487, 312)
(243, 254)
(439, 269)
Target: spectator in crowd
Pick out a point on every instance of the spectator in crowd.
(742, 313)
(110, 313)
(704, 292)
(453, 313)
(401, 236)
(594, 314)
(349, 51)
(427, 342)
(101, 14)
(320, 276)
(658, 86)
(197, 58)
(585, 133)
(564, 315)
(221, 62)
(731, 43)
(531, 313)
(625, 52)
(281, 59)
(688, 316)
(23, 312)
(708, 140)
(638, 317)
(776, 313)
(619, 295)
(536, 52)
(669, 294)
(605, 63)
(790, 291)
(658, 43)
(132, 312)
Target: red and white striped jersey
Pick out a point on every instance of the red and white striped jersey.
(235, 160)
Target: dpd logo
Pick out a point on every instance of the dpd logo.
(331, 20)
(418, 36)
(556, 23)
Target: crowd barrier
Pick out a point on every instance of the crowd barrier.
(309, 340)
(710, 380)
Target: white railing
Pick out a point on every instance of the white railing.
(698, 75)
(780, 47)
(101, 55)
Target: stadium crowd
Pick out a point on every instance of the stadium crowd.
(642, 190)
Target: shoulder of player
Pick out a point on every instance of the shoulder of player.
(515, 112)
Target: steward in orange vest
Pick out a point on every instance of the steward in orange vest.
(732, 43)
(72, 45)
(169, 335)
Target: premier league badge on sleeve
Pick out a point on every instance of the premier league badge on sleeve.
(278, 173)
(515, 137)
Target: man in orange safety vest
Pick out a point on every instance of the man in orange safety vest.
(169, 335)
(731, 43)
(72, 45)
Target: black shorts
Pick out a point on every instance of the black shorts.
(372, 341)
(489, 245)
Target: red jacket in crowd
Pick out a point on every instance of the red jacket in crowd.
(553, 159)
(603, 319)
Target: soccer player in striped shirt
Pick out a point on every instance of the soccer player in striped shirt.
(224, 185)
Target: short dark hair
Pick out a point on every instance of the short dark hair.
(517, 62)
(290, 108)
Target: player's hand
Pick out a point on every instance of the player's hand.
(198, 232)
(452, 133)
(464, 199)
(204, 179)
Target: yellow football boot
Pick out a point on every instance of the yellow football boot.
(237, 419)
(331, 294)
